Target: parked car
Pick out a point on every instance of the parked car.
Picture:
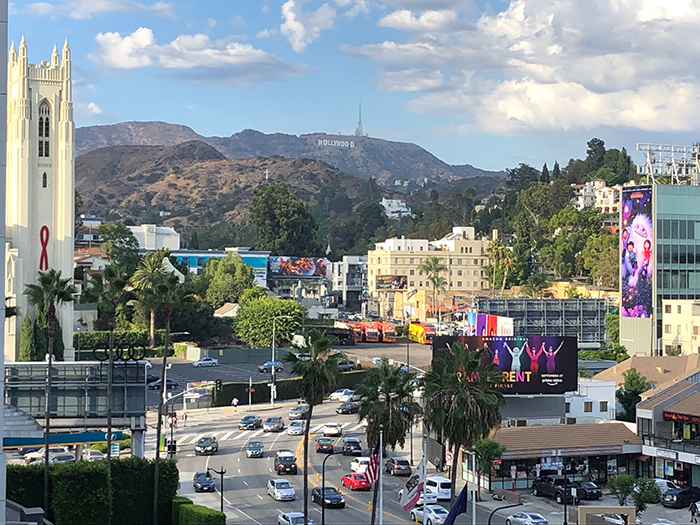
(93, 455)
(335, 396)
(26, 450)
(440, 486)
(62, 457)
(281, 490)
(38, 455)
(587, 490)
(332, 429)
(250, 422)
(274, 424)
(254, 449)
(300, 411)
(553, 487)
(355, 481)
(359, 465)
(206, 361)
(429, 496)
(292, 518)
(151, 377)
(296, 427)
(203, 482)
(346, 366)
(285, 462)
(352, 447)
(397, 467)
(347, 408)
(328, 497)
(434, 514)
(206, 446)
(324, 444)
(665, 485)
(169, 384)
(680, 499)
(348, 397)
(268, 365)
(526, 518)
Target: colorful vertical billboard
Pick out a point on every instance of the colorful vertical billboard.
(637, 259)
(530, 365)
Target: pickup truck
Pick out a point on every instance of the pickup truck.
(558, 488)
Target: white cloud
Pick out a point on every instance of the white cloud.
(428, 21)
(211, 22)
(410, 80)
(85, 9)
(94, 108)
(195, 57)
(266, 33)
(265, 9)
(300, 28)
(356, 7)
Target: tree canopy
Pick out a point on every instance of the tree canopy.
(229, 278)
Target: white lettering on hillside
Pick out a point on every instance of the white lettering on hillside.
(336, 143)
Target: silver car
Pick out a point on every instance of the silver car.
(526, 518)
(434, 514)
(297, 427)
(273, 424)
(281, 490)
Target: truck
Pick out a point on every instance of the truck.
(371, 334)
(421, 333)
(555, 487)
(353, 327)
(387, 332)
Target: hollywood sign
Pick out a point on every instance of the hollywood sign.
(336, 143)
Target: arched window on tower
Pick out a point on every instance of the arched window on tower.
(44, 180)
(44, 126)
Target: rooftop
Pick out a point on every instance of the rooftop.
(689, 406)
(658, 370)
(663, 395)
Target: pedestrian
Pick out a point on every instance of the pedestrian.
(438, 464)
(693, 512)
(184, 419)
(234, 403)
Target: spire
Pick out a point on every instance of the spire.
(54, 56)
(359, 132)
(13, 52)
(22, 48)
(66, 51)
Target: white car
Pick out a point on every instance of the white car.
(292, 518)
(296, 427)
(434, 514)
(31, 457)
(440, 486)
(431, 498)
(332, 429)
(93, 455)
(63, 457)
(335, 396)
(281, 490)
(206, 361)
(348, 396)
(359, 465)
(526, 518)
(616, 519)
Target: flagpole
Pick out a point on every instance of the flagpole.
(474, 482)
(381, 474)
(422, 473)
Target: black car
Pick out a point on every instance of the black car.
(328, 498)
(151, 377)
(250, 423)
(285, 462)
(680, 498)
(169, 384)
(587, 490)
(347, 408)
(203, 482)
(324, 444)
(206, 446)
(254, 449)
(352, 447)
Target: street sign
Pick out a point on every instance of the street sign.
(513, 471)
(115, 449)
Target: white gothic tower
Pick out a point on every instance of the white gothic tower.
(40, 197)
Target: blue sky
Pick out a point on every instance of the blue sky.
(489, 84)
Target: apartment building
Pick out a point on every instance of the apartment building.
(681, 322)
(596, 193)
(347, 278)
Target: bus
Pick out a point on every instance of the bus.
(346, 337)
(421, 333)
(371, 334)
(387, 332)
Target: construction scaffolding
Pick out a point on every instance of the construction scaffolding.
(679, 164)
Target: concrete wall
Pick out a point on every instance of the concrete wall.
(240, 355)
(636, 335)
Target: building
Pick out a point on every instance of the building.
(596, 193)
(3, 239)
(681, 326)
(395, 208)
(40, 183)
(152, 237)
(661, 371)
(593, 402)
(196, 260)
(347, 280)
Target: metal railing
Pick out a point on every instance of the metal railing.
(680, 445)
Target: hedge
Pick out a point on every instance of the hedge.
(286, 389)
(102, 447)
(199, 515)
(100, 338)
(179, 501)
(25, 484)
(81, 493)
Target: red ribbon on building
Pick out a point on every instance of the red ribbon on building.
(44, 238)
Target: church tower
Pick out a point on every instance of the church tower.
(40, 199)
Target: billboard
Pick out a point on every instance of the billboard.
(505, 326)
(391, 282)
(530, 365)
(471, 323)
(637, 259)
(280, 267)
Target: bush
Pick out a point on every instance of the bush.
(25, 484)
(199, 515)
(100, 339)
(102, 447)
(81, 493)
(179, 501)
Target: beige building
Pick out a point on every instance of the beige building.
(681, 325)
(464, 255)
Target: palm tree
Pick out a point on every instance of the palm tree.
(49, 291)
(319, 377)
(461, 403)
(148, 273)
(508, 266)
(432, 266)
(108, 291)
(535, 285)
(496, 253)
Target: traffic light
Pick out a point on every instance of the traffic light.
(218, 385)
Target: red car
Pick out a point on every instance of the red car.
(356, 481)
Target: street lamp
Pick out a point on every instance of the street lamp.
(272, 386)
(220, 473)
(323, 489)
(501, 508)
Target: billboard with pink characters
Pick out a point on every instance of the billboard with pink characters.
(637, 259)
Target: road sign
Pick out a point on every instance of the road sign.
(449, 456)
(115, 449)
(513, 471)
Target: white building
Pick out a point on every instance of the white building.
(3, 237)
(347, 279)
(395, 208)
(152, 237)
(593, 402)
(681, 322)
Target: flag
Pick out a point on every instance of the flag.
(414, 487)
(460, 507)
(372, 471)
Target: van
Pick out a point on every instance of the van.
(440, 486)
(665, 485)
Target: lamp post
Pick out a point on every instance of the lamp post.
(220, 473)
(323, 488)
(272, 386)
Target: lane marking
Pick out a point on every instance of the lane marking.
(344, 425)
(227, 435)
(257, 433)
(242, 434)
(356, 427)
(259, 496)
(239, 510)
(316, 429)
(246, 483)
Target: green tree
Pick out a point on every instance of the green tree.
(256, 292)
(461, 402)
(432, 266)
(521, 177)
(645, 491)
(572, 292)
(544, 176)
(319, 377)
(595, 155)
(556, 171)
(600, 258)
(622, 487)
(120, 245)
(253, 322)
(27, 344)
(230, 279)
(674, 351)
(629, 394)
(612, 327)
(283, 223)
(149, 272)
(535, 285)
(487, 451)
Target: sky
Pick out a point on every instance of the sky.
(490, 84)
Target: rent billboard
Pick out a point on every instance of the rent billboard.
(391, 282)
(530, 365)
(636, 257)
(295, 267)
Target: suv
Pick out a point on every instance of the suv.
(285, 462)
(397, 467)
(554, 487)
(352, 447)
(346, 366)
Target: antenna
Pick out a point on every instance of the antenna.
(359, 131)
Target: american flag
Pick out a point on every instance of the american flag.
(372, 471)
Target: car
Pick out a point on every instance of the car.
(347, 408)
(269, 365)
(150, 378)
(332, 429)
(26, 450)
(302, 357)
(62, 457)
(346, 366)
(359, 465)
(324, 444)
(203, 482)
(328, 497)
(285, 462)
(440, 486)
(665, 485)
(355, 481)
(281, 490)
(335, 396)
(206, 361)
(273, 424)
(250, 422)
(301, 411)
(254, 449)
(352, 447)
(680, 499)
(526, 518)
(206, 446)
(144, 362)
(587, 490)
(93, 455)
(169, 384)
(292, 518)
(434, 514)
(347, 397)
(431, 497)
(38, 455)
(296, 427)
(355, 397)
(397, 467)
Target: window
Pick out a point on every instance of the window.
(459, 262)
(588, 406)
(567, 407)
(412, 283)
(459, 272)
(44, 181)
(470, 249)
(44, 127)
(603, 406)
(678, 309)
(413, 272)
(459, 284)
(476, 284)
(476, 262)
(450, 272)
(462, 251)
(667, 329)
(695, 330)
(396, 260)
(667, 309)
(476, 273)
(678, 329)
(412, 260)
(420, 283)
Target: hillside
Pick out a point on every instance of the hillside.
(366, 157)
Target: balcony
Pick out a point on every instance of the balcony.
(679, 445)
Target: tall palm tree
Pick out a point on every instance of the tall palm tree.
(432, 266)
(49, 292)
(496, 252)
(508, 266)
(172, 295)
(109, 291)
(148, 273)
(461, 403)
(319, 374)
